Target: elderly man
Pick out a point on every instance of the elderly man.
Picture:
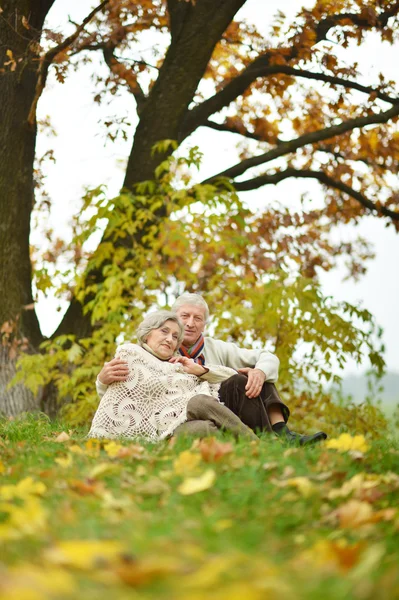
(250, 394)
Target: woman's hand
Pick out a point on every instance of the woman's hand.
(115, 370)
(189, 366)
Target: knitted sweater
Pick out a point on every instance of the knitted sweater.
(153, 400)
(230, 355)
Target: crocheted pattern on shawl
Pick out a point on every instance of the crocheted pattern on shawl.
(153, 400)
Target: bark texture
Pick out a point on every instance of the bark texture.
(17, 152)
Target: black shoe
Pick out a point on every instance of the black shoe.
(296, 439)
(303, 440)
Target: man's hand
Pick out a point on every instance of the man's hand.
(115, 370)
(256, 379)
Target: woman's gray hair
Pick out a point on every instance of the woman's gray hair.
(155, 320)
(194, 300)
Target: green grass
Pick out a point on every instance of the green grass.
(257, 532)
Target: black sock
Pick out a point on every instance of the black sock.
(280, 428)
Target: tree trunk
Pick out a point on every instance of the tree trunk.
(195, 30)
(17, 153)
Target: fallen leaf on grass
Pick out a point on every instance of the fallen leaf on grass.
(152, 487)
(302, 484)
(223, 524)
(85, 554)
(93, 447)
(26, 582)
(193, 485)
(333, 555)
(345, 443)
(186, 462)
(288, 472)
(90, 487)
(76, 449)
(23, 489)
(64, 461)
(112, 449)
(212, 450)
(269, 466)
(62, 437)
(103, 469)
(141, 572)
(354, 513)
(20, 521)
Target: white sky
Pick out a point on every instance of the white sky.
(83, 159)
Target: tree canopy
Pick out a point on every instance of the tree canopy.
(299, 110)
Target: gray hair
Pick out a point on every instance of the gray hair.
(194, 300)
(155, 320)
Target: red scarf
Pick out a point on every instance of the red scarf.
(195, 352)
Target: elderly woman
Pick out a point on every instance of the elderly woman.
(147, 391)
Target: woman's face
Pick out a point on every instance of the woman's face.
(163, 340)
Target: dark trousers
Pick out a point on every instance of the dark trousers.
(252, 411)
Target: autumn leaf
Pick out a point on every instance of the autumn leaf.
(137, 573)
(333, 555)
(152, 487)
(186, 462)
(346, 442)
(212, 450)
(354, 514)
(62, 437)
(84, 554)
(193, 485)
(28, 582)
(23, 489)
(103, 469)
(64, 461)
(86, 488)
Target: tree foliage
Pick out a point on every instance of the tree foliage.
(299, 109)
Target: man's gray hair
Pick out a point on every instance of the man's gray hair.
(155, 320)
(194, 300)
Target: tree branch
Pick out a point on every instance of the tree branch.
(261, 67)
(307, 138)
(128, 75)
(266, 179)
(253, 136)
(357, 19)
(49, 56)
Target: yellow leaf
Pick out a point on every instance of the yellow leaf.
(186, 462)
(112, 449)
(93, 447)
(64, 461)
(193, 485)
(25, 520)
(345, 443)
(76, 449)
(303, 485)
(23, 489)
(84, 554)
(2, 468)
(223, 524)
(103, 469)
(26, 582)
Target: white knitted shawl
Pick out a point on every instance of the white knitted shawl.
(153, 400)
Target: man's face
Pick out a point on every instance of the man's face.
(193, 318)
